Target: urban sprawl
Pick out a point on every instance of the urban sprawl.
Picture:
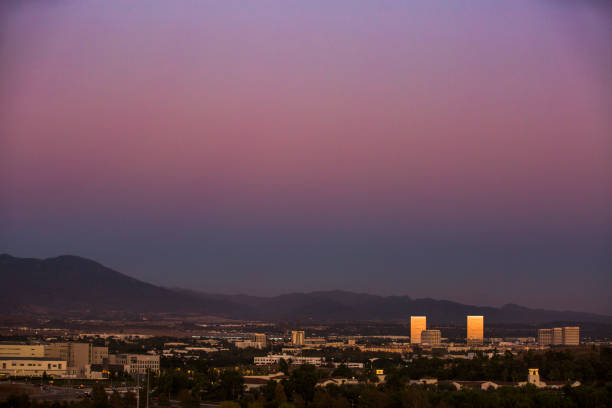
(140, 366)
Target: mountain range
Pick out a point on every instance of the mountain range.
(72, 285)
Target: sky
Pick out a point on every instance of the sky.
(460, 150)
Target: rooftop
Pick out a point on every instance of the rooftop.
(31, 358)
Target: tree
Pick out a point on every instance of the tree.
(369, 376)
(343, 371)
(279, 394)
(229, 404)
(163, 400)
(303, 382)
(115, 400)
(129, 399)
(322, 399)
(231, 385)
(187, 400)
(372, 398)
(18, 401)
(98, 394)
(283, 366)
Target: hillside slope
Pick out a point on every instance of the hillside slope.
(70, 284)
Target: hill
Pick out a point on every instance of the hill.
(70, 284)
(348, 306)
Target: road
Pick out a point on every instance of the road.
(175, 403)
(54, 393)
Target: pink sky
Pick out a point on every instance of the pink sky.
(451, 121)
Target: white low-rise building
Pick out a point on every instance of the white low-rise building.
(21, 350)
(290, 359)
(32, 366)
(136, 363)
(349, 365)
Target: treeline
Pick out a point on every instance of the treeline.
(586, 366)
(409, 396)
(300, 391)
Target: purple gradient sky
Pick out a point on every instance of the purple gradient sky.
(460, 150)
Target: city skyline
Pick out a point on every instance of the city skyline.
(446, 151)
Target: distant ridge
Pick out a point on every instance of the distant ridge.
(73, 285)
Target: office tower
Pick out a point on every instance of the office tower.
(557, 336)
(431, 337)
(545, 337)
(417, 325)
(571, 336)
(475, 329)
(260, 339)
(297, 337)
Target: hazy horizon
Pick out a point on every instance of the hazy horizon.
(453, 151)
(290, 292)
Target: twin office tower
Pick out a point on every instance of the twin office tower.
(420, 335)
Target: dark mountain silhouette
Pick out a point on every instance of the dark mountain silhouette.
(73, 284)
(348, 306)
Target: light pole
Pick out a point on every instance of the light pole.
(137, 390)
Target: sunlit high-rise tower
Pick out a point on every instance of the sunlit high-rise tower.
(417, 325)
(475, 329)
(297, 337)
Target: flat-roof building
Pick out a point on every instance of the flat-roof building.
(417, 325)
(290, 359)
(545, 337)
(32, 366)
(136, 363)
(571, 336)
(431, 337)
(10, 349)
(475, 329)
(557, 336)
(298, 337)
(77, 355)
